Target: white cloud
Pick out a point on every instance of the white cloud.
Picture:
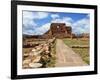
(41, 30)
(67, 20)
(27, 14)
(29, 32)
(38, 30)
(81, 26)
(34, 15)
(54, 16)
(28, 17)
(41, 15)
(29, 22)
(29, 25)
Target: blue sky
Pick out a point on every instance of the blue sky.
(37, 23)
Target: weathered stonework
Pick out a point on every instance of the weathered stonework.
(58, 30)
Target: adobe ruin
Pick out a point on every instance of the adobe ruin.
(58, 30)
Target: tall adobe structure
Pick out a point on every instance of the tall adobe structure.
(58, 30)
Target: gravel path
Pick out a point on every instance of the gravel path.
(66, 56)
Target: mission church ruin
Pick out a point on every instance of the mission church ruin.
(58, 30)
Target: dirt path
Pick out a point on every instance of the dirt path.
(66, 56)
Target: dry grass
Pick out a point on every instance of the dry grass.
(71, 42)
(83, 52)
(53, 56)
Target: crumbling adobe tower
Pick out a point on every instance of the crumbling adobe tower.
(58, 30)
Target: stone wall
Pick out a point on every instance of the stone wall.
(39, 56)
